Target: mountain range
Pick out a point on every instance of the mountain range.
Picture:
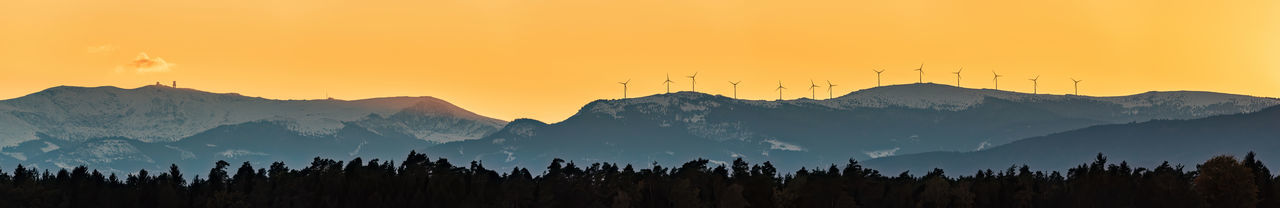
(899, 127)
(1145, 144)
(152, 126)
(866, 124)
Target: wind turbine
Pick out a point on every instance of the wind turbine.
(1035, 84)
(921, 70)
(735, 89)
(668, 83)
(780, 88)
(996, 78)
(1076, 85)
(813, 93)
(694, 81)
(958, 76)
(829, 88)
(878, 76)
(624, 88)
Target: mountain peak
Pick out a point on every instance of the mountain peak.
(65, 92)
(62, 89)
(683, 100)
(932, 96)
(925, 89)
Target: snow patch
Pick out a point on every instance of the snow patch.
(982, 145)
(16, 155)
(780, 145)
(232, 153)
(357, 150)
(48, 146)
(511, 156)
(718, 162)
(64, 165)
(882, 153)
(185, 154)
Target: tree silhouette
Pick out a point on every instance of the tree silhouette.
(1225, 182)
(418, 181)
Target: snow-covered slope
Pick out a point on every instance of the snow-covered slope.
(165, 114)
(945, 97)
(877, 122)
(150, 127)
(1145, 144)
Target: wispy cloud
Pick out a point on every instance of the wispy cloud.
(146, 64)
(100, 49)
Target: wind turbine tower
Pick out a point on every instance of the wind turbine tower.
(694, 82)
(1076, 84)
(1035, 84)
(668, 83)
(813, 92)
(921, 70)
(878, 76)
(780, 88)
(996, 78)
(735, 89)
(829, 89)
(958, 76)
(624, 88)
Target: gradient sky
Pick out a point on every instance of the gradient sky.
(545, 59)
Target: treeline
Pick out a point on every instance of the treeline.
(1222, 181)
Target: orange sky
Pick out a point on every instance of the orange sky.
(545, 59)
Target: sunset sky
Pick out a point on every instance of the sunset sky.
(545, 59)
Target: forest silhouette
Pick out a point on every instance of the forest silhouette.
(418, 181)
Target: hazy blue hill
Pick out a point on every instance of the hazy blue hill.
(876, 122)
(153, 126)
(257, 142)
(148, 127)
(1145, 144)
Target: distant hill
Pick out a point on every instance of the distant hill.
(153, 126)
(1145, 144)
(871, 123)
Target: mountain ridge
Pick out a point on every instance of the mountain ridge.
(1146, 143)
(78, 113)
(864, 124)
(152, 126)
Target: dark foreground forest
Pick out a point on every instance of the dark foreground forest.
(1221, 181)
